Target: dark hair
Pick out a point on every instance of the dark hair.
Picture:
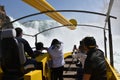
(81, 43)
(39, 46)
(90, 42)
(18, 31)
(75, 46)
(55, 41)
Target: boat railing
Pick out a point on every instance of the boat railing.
(44, 58)
(112, 74)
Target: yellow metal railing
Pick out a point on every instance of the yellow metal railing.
(44, 59)
(37, 74)
(111, 72)
(33, 75)
(46, 70)
(67, 54)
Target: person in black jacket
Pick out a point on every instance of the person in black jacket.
(95, 65)
(27, 49)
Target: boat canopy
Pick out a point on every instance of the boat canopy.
(104, 9)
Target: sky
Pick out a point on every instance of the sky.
(17, 8)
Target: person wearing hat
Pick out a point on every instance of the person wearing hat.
(57, 59)
(95, 65)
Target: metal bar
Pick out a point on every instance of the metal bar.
(100, 27)
(110, 42)
(35, 39)
(48, 30)
(81, 11)
(69, 25)
(110, 34)
(109, 9)
(105, 45)
(28, 35)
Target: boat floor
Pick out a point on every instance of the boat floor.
(70, 69)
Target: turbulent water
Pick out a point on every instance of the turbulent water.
(68, 37)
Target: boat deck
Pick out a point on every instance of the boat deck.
(70, 69)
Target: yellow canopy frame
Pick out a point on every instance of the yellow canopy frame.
(43, 5)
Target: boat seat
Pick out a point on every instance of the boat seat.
(12, 56)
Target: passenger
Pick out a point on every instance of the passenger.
(95, 65)
(81, 56)
(74, 52)
(4, 19)
(75, 49)
(56, 53)
(29, 62)
(27, 47)
(39, 48)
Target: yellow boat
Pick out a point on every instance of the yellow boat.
(45, 8)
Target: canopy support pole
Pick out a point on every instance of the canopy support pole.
(110, 42)
(105, 40)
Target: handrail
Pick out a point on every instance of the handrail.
(63, 26)
(111, 74)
